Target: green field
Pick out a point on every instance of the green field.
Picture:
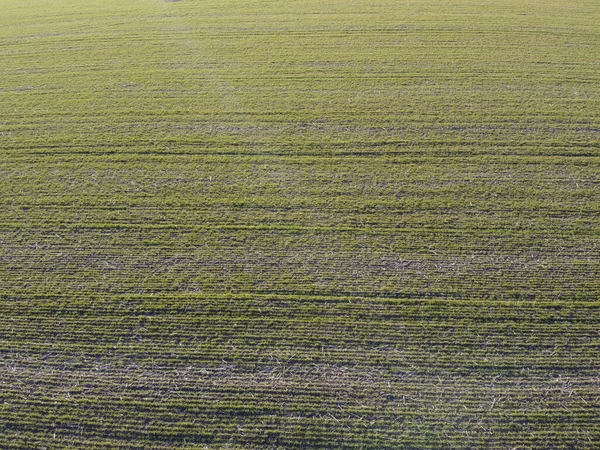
(300, 224)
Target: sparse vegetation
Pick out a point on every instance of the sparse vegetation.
(300, 224)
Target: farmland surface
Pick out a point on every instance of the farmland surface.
(300, 224)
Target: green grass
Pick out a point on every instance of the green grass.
(300, 224)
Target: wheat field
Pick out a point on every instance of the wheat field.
(300, 224)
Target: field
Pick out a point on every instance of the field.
(300, 224)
